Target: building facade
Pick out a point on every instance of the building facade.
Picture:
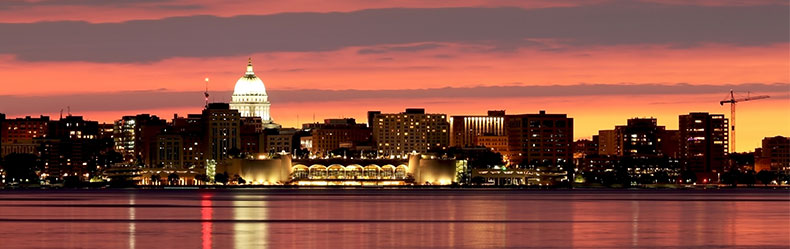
(465, 130)
(398, 134)
(542, 139)
(170, 152)
(71, 147)
(222, 131)
(774, 154)
(336, 133)
(19, 135)
(704, 144)
(135, 137)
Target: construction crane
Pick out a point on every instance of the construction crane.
(732, 100)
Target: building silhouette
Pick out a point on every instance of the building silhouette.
(704, 144)
(540, 140)
(19, 135)
(339, 133)
(774, 155)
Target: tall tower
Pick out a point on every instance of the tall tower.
(250, 98)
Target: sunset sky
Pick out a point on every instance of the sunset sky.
(601, 62)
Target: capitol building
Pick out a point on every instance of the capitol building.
(250, 98)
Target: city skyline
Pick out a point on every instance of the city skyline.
(625, 67)
(394, 124)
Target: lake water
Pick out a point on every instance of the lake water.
(337, 218)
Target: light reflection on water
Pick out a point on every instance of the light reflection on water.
(394, 219)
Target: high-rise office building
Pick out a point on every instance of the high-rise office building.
(704, 144)
(465, 130)
(222, 130)
(280, 140)
(19, 135)
(192, 130)
(414, 130)
(71, 147)
(541, 139)
(170, 151)
(608, 143)
(641, 136)
(135, 137)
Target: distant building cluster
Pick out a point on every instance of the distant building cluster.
(239, 143)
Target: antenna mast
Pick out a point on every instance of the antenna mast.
(206, 92)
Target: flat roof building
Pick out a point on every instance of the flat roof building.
(398, 134)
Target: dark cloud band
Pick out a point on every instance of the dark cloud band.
(137, 100)
(608, 24)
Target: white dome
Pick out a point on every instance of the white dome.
(249, 84)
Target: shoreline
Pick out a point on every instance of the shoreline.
(351, 189)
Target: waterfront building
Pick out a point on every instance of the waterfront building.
(371, 117)
(670, 143)
(135, 137)
(71, 147)
(584, 147)
(641, 136)
(465, 130)
(497, 143)
(280, 140)
(192, 130)
(540, 140)
(704, 144)
(398, 134)
(19, 135)
(336, 133)
(170, 150)
(608, 143)
(222, 131)
(282, 169)
(774, 155)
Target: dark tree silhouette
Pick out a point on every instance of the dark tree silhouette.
(688, 176)
(72, 181)
(235, 153)
(202, 178)
(478, 180)
(661, 177)
(766, 176)
(172, 178)
(221, 178)
(748, 178)
(156, 178)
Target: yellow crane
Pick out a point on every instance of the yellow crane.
(732, 100)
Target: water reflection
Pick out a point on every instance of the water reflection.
(131, 222)
(251, 228)
(393, 219)
(206, 216)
